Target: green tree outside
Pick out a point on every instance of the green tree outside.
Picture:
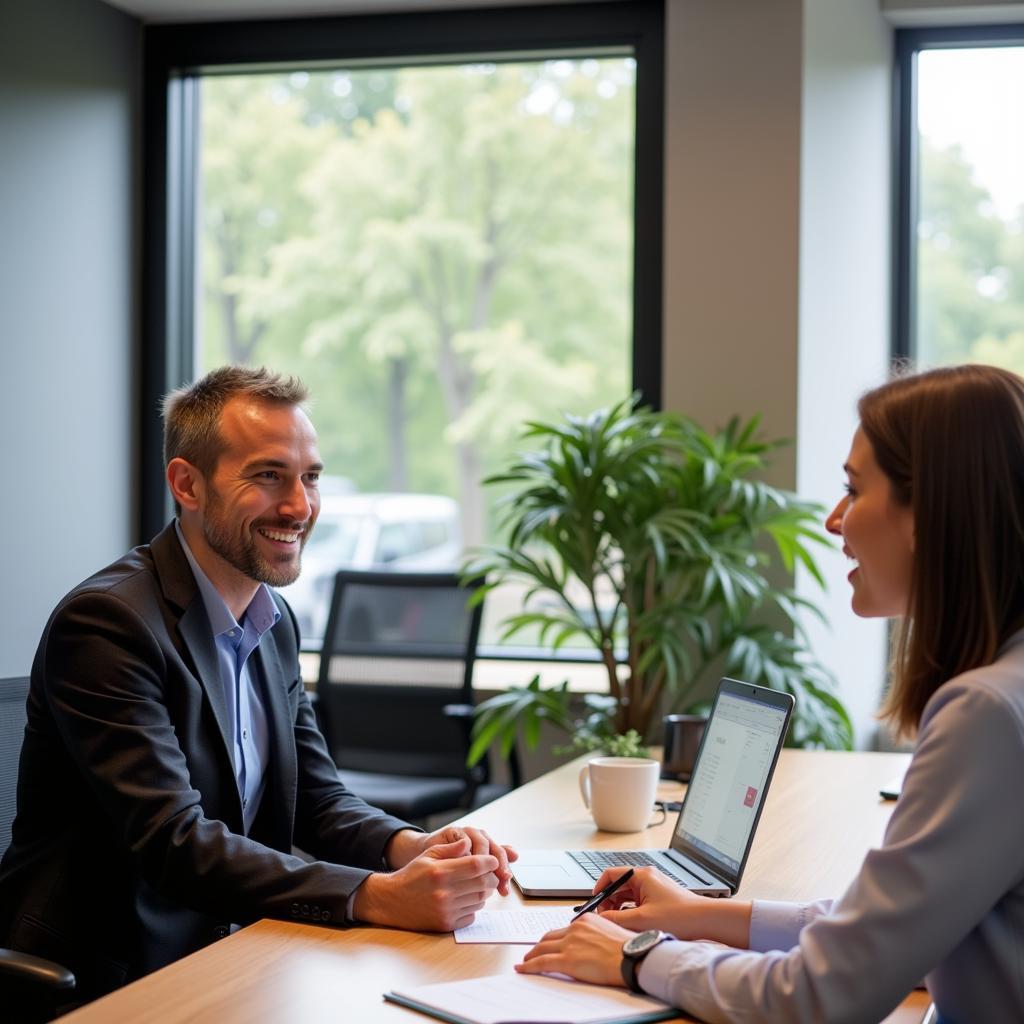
(970, 272)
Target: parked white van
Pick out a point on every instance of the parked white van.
(403, 532)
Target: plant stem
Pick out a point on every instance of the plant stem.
(652, 696)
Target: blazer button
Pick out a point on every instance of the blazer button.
(220, 932)
(316, 914)
(325, 915)
(305, 910)
(295, 909)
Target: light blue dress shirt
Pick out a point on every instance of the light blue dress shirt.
(250, 738)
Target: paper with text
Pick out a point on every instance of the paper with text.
(523, 926)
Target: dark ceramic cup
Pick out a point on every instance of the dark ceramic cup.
(682, 739)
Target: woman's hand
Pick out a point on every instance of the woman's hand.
(590, 949)
(661, 903)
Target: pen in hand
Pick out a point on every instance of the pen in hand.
(599, 897)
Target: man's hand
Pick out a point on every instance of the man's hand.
(590, 949)
(406, 845)
(440, 890)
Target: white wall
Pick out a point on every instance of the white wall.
(69, 86)
(844, 307)
(732, 213)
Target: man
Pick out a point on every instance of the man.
(172, 759)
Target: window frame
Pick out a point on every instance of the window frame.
(909, 43)
(173, 53)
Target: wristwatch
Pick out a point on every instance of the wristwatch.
(634, 949)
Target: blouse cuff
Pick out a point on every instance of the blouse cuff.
(655, 973)
(777, 926)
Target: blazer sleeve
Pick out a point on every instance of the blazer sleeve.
(914, 901)
(106, 671)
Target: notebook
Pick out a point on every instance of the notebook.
(530, 999)
(720, 812)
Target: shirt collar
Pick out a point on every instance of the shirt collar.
(262, 612)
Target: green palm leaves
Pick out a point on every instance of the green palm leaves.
(654, 541)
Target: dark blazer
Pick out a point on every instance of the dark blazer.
(128, 848)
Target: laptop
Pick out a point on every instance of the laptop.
(716, 824)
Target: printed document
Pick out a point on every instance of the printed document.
(511, 926)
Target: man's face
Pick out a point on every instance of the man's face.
(263, 498)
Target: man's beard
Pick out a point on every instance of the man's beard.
(242, 553)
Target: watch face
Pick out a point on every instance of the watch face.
(641, 943)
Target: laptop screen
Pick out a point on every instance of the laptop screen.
(734, 765)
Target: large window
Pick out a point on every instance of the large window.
(444, 243)
(962, 215)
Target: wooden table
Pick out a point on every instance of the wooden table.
(822, 814)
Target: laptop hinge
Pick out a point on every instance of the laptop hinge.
(688, 863)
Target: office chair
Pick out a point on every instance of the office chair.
(31, 988)
(395, 692)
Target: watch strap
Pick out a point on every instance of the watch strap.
(628, 968)
(631, 963)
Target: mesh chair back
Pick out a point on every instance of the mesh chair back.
(13, 694)
(398, 648)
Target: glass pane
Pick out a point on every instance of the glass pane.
(970, 230)
(441, 253)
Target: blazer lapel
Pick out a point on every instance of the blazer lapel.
(180, 589)
(195, 630)
(282, 768)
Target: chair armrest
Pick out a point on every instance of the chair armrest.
(34, 969)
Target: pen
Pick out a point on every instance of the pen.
(599, 897)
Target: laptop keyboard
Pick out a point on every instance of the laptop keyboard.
(595, 861)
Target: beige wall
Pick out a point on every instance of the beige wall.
(732, 213)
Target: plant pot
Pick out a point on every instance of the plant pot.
(683, 734)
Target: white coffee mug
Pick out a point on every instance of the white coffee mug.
(619, 791)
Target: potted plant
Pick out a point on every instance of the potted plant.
(657, 543)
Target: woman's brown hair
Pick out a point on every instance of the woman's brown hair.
(951, 442)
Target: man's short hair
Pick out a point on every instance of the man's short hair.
(192, 412)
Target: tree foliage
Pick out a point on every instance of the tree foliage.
(970, 299)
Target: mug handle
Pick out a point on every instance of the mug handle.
(585, 785)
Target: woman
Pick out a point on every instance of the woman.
(934, 520)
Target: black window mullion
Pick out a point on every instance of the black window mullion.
(905, 251)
